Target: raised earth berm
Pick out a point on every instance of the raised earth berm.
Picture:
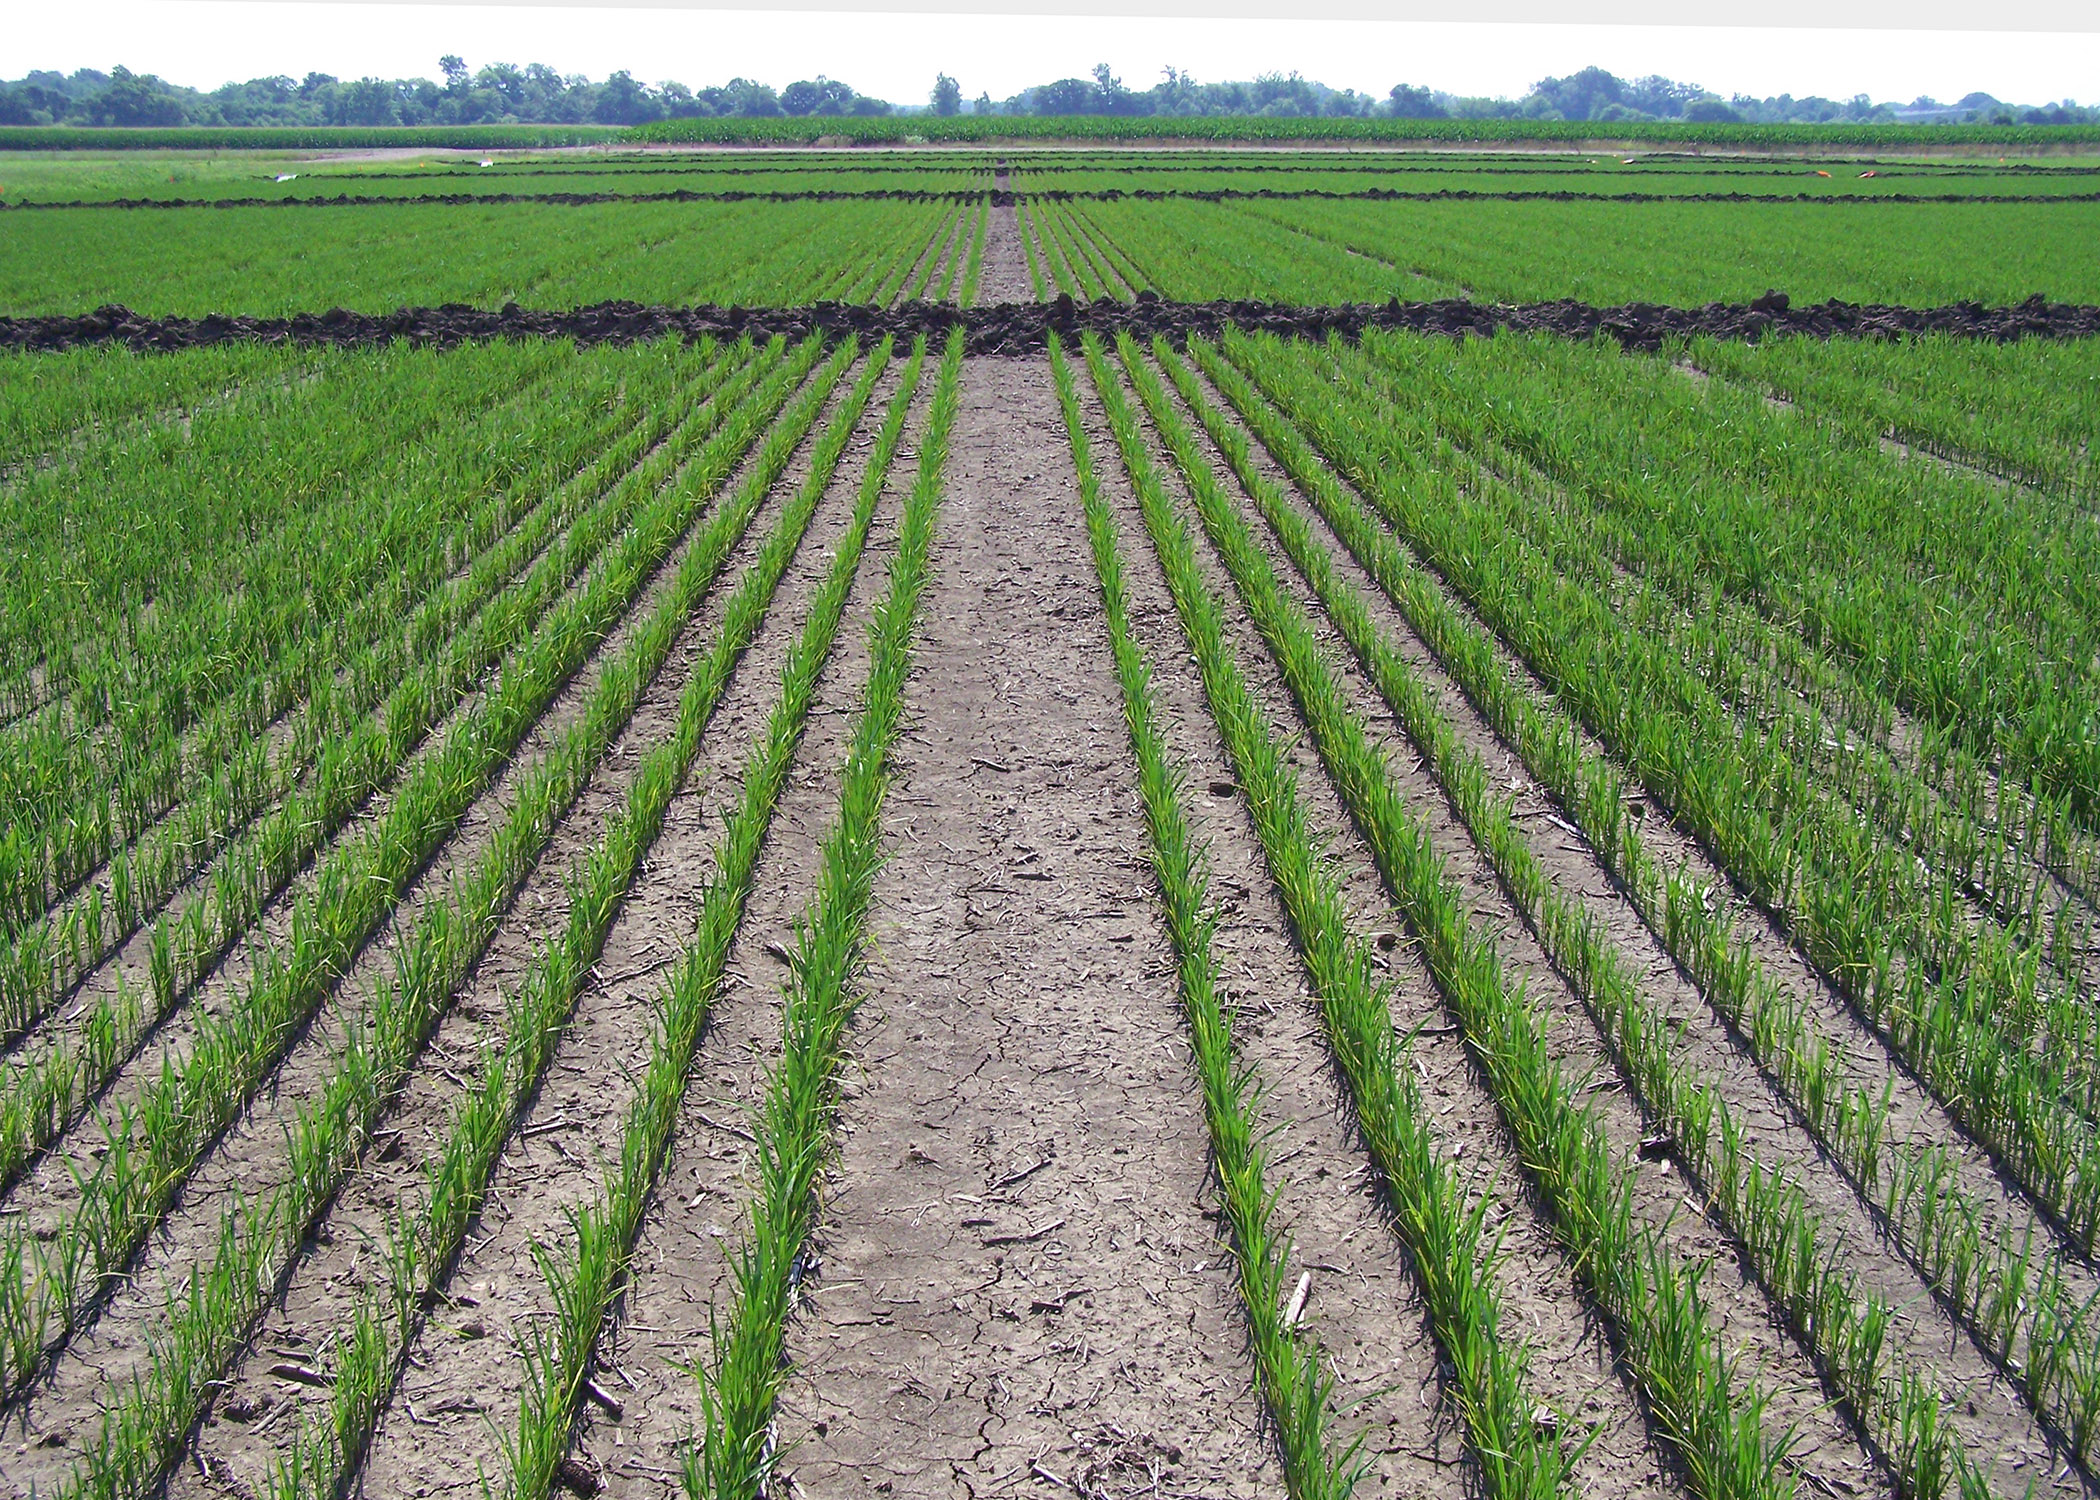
(1022, 328)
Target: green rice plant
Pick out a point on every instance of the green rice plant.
(147, 701)
(2030, 1323)
(1454, 1259)
(1106, 249)
(1840, 896)
(1652, 1300)
(41, 963)
(41, 1092)
(975, 269)
(1960, 1001)
(1085, 276)
(185, 1107)
(599, 1263)
(1297, 1391)
(2020, 411)
(739, 1388)
(1111, 268)
(450, 938)
(1036, 277)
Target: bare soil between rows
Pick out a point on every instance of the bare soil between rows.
(1024, 328)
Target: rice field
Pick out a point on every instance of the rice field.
(1228, 913)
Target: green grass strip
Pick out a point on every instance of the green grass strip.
(734, 1456)
(1453, 1258)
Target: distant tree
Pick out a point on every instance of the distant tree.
(1710, 111)
(1114, 99)
(742, 96)
(18, 107)
(1067, 96)
(368, 101)
(983, 106)
(1661, 97)
(817, 96)
(947, 96)
(1406, 102)
(1176, 93)
(678, 101)
(136, 99)
(1579, 96)
(1284, 94)
(622, 101)
(454, 67)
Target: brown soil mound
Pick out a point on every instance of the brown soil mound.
(1020, 328)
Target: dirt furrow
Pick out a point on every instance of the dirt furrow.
(1004, 1286)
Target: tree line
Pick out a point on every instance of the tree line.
(503, 93)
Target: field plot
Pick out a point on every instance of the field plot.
(1242, 914)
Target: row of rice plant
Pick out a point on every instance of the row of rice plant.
(151, 1146)
(44, 1087)
(741, 1377)
(305, 778)
(585, 1277)
(1295, 1386)
(1453, 1255)
(1958, 1000)
(319, 1458)
(144, 1433)
(1794, 1255)
(2008, 1284)
(161, 676)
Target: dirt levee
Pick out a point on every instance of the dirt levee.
(1025, 327)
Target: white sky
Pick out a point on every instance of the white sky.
(895, 55)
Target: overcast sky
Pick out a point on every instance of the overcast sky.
(896, 55)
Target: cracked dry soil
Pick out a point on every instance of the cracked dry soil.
(1018, 1270)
